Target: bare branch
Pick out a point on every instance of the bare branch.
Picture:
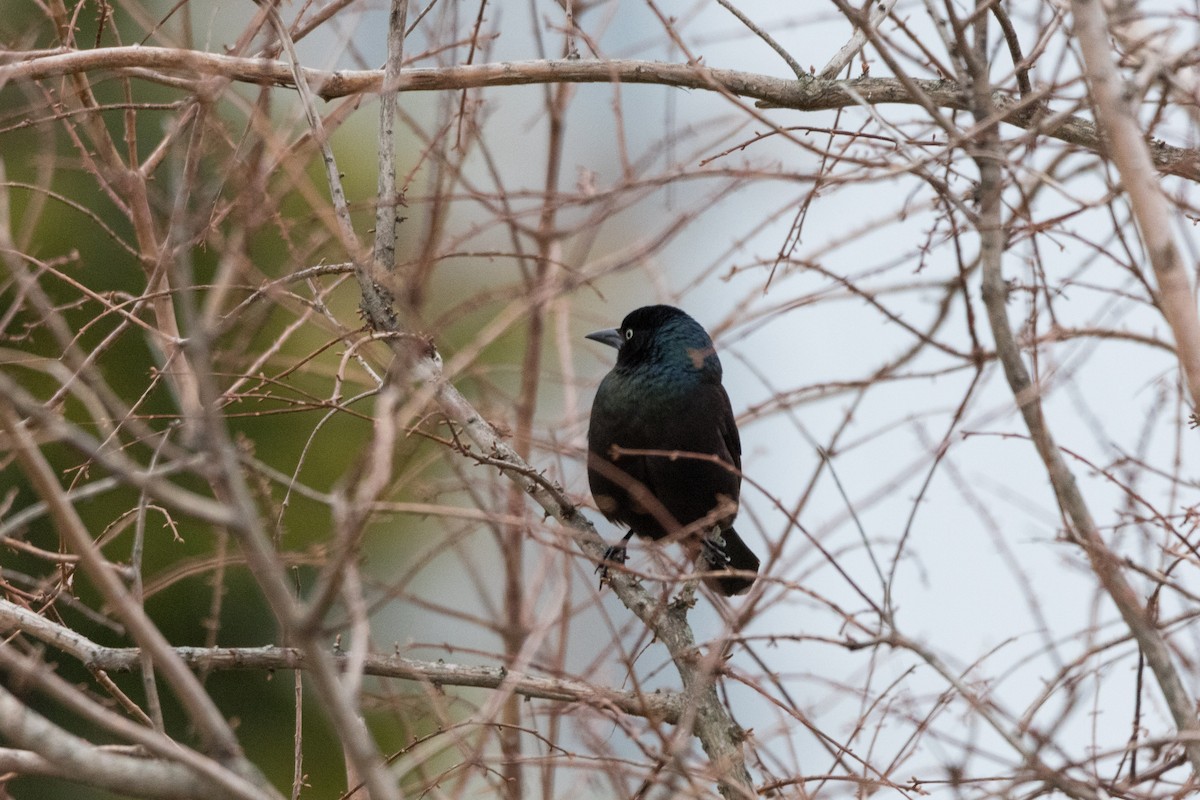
(1082, 527)
(211, 436)
(810, 94)
(766, 37)
(852, 48)
(30, 672)
(1127, 148)
(387, 200)
(203, 712)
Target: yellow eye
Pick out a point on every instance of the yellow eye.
(629, 333)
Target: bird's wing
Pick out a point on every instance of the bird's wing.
(689, 487)
(647, 491)
(728, 428)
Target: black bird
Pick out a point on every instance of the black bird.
(664, 401)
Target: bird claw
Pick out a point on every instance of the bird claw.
(714, 552)
(615, 554)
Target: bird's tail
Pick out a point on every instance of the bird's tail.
(736, 557)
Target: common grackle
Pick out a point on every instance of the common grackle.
(664, 455)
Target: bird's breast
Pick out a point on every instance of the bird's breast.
(645, 399)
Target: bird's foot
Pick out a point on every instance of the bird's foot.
(615, 554)
(714, 552)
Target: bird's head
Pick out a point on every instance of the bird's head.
(662, 337)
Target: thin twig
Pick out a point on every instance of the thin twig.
(852, 48)
(387, 200)
(1014, 49)
(766, 37)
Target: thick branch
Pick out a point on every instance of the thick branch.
(811, 94)
(658, 706)
(1081, 525)
(1126, 146)
(662, 706)
(30, 673)
(61, 755)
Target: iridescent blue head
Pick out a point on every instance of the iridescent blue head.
(665, 339)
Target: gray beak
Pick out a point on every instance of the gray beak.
(611, 337)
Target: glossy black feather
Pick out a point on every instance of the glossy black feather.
(664, 397)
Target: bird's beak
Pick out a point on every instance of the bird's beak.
(611, 337)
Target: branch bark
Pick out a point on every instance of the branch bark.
(1081, 526)
(226, 780)
(1126, 146)
(52, 752)
(810, 94)
(659, 705)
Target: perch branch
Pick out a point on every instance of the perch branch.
(719, 735)
(418, 361)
